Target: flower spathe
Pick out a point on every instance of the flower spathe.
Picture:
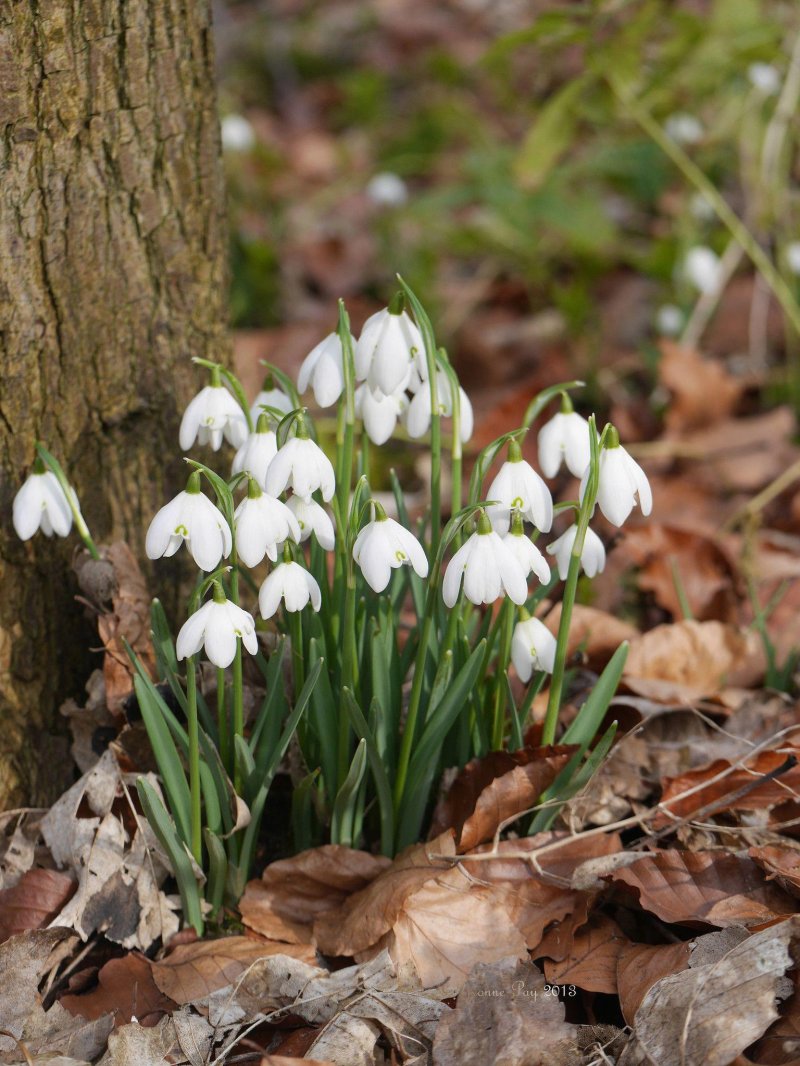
(312, 518)
(257, 453)
(322, 370)
(291, 583)
(565, 437)
(517, 486)
(533, 647)
(216, 626)
(383, 545)
(41, 504)
(621, 483)
(262, 523)
(379, 413)
(593, 556)
(210, 416)
(418, 415)
(193, 518)
(302, 466)
(386, 351)
(489, 569)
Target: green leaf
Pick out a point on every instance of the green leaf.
(167, 758)
(324, 718)
(344, 813)
(589, 718)
(179, 858)
(571, 780)
(551, 134)
(379, 772)
(217, 870)
(285, 382)
(304, 823)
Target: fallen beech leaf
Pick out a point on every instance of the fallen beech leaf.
(293, 892)
(134, 1044)
(708, 1014)
(592, 960)
(780, 1045)
(194, 971)
(722, 795)
(640, 966)
(593, 632)
(493, 789)
(685, 661)
(780, 864)
(125, 989)
(91, 725)
(58, 1032)
(290, 1060)
(23, 960)
(742, 454)
(33, 901)
(349, 1040)
(503, 1016)
(714, 887)
(692, 379)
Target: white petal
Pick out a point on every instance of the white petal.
(220, 640)
(418, 416)
(279, 472)
(313, 591)
(455, 571)
(192, 633)
(29, 507)
(162, 528)
(412, 547)
(269, 595)
(192, 418)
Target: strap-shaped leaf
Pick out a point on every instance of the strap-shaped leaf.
(376, 764)
(164, 828)
(304, 823)
(571, 780)
(217, 870)
(167, 758)
(323, 717)
(589, 718)
(344, 812)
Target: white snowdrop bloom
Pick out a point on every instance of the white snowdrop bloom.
(270, 398)
(383, 545)
(593, 556)
(217, 625)
(701, 208)
(565, 437)
(387, 190)
(669, 320)
(489, 569)
(322, 369)
(533, 647)
(765, 78)
(41, 504)
(237, 133)
(517, 486)
(379, 413)
(621, 481)
(301, 465)
(525, 551)
(291, 583)
(418, 414)
(193, 518)
(262, 523)
(257, 452)
(793, 256)
(312, 518)
(684, 128)
(702, 268)
(387, 349)
(212, 414)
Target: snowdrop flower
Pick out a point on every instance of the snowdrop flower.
(257, 452)
(684, 128)
(237, 133)
(793, 256)
(193, 518)
(669, 320)
(322, 369)
(379, 413)
(565, 436)
(387, 190)
(518, 486)
(312, 518)
(765, 78)
(210, 415)
(41, 504)
(489, 569)
(593, 556)
(387, 349)
(217, 625)
(418, 415)
(621, 481)
(533, 647)
(292, 584)
(302, 466)
(261, 524)
(383, 545)
(525, 551)
(270, 397)
(702, 267)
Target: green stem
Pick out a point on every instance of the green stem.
(413, 705)
(298, 662)
(349, 670)
(347, 411)
(222, 721)
(238, 708)
(557, 682)
(80, 522)
(194, 760)
(508, 612)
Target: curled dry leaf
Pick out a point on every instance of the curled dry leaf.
(134, 1043)
(33, 901)
(23, 960)
(493, 789)
(715, 887)
(686, 661)
(780, 1045)
(595, 633)
(780, 864)
(504, 1016)
(640, 966)
(592, 960)
(708, 1014)
(125, 990)
(293, 892)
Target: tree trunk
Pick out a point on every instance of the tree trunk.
(113, 252)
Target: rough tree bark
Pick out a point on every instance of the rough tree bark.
(112, 274)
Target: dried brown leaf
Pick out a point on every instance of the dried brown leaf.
(780, 864)
(692, 379)
(640, 966)
(290, 1060)
(125, 989)
(595, 633)
(134, 1043)
(23, 960)
(33, 901)
(592, 960)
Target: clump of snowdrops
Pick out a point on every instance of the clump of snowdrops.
(386, 645)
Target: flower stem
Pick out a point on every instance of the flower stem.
(349, 669)
(507, 615)
(238, 711)
(347, 414)
(296, 636)
(222, 721)
(557, 682)
(194, 760)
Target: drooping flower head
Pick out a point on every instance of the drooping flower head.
(379, 413)
(382, 546)
(212, 415)
(389, 346)
(312, 518)
(418, 415)
(621, 482)
(257, 452)
(262, 523)
(565, 437)
(270, 397)
(593, 556)
(293, 584)
(533, 647)
(322, 370)
(525, 551)
(217, 625)
(517, 486)
(41, 504)
(302, 466)
(191, 518)
(488, 567)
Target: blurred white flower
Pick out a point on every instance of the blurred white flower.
(387, 190)
(237, 134)
(257, 453)
(700, 208)
(765, 78)
(41, 504)
(291, 583)
(301, 465)
(517, 486)
(212, 414)
(379, 413)
(322, 369)
(793, 256)
(217, 625)
(193, 518)
(593, 556)
(684, 128)
(262, 523)
(270, 398)
(669, 320)
(533, 647)
(418, 414)
(312, 518)
(702, 268)
(621, 482)
(387, 349)
(383, 545)
(565, 436)
(489, 569)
